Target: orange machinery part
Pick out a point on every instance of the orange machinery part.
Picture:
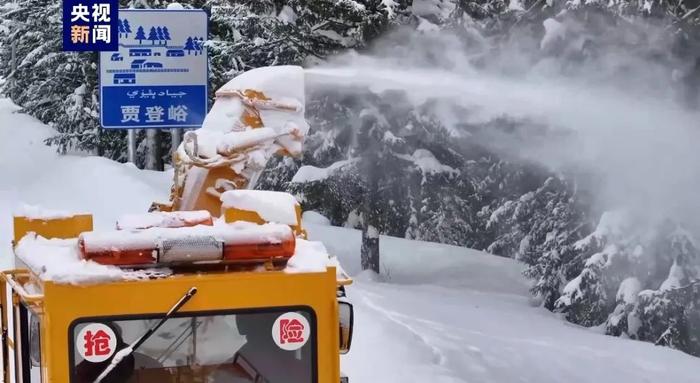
(253, 252)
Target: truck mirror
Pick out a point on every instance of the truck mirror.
(346, 315)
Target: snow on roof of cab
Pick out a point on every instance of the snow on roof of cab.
(312, 257)
(58, 261)
(162, 219)
(271, 206)
(38, 212)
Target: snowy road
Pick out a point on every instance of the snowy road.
(446, 314)
(464, 316)
(435, 334)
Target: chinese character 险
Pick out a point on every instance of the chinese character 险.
(291, 331)
(79, 34)
(177, 113)
(154, 114)
(130, 113)
(97, 344)
(80, 12)
(100, 13)
(101, 33)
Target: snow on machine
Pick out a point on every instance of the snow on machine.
(217, 285)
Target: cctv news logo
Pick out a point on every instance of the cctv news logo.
(291, 331)
(90, 25)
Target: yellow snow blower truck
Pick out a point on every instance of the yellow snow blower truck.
(217, 285)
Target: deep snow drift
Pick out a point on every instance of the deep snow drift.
(445, 314)
(32, 173)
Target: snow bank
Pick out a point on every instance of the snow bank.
(35, 174)
(272, 206)
(415, 262)
(58, 260)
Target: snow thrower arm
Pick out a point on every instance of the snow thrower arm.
(256, 115)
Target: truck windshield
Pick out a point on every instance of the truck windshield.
(271, 346)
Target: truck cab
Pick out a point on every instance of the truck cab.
(67, 318)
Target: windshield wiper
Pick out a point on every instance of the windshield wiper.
(123, 353)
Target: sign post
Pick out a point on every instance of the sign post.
(158, 76)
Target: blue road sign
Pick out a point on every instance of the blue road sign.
(158, 77)
(90, 25)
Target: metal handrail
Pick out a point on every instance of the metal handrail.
(9, 277)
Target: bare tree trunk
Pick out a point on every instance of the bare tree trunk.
(175, 139)
(371, 219)
(369, 254)
(153, 157)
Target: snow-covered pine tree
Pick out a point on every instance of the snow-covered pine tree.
(67, 98)
(249, 34)
(668, 312)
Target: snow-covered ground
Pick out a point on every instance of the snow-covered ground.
(32, 173)
(451, 314)
(443, 314)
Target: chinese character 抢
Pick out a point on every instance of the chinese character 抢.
(79, 34)
(130, 113)
(101, 33)
(177, 113)
(100, 13)
(97, 344)
(154, 114)
(80, 12)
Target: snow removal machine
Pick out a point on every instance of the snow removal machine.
(217, 285)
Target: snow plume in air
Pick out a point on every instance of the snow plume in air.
(606, 111)
(607, 101)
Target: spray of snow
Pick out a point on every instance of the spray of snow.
(448, 317)
(615, 117)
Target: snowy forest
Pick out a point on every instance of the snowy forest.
(607, 249)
